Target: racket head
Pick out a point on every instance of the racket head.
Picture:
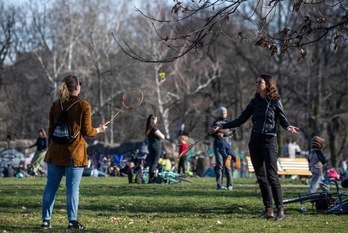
(132, 98)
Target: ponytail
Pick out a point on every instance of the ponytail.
(63, 92)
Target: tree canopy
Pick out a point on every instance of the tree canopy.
(275, 25)
(214, 65)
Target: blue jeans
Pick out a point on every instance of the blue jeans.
(54, 176)
(317, 180)
(221, 170)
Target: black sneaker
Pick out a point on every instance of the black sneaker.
(75, 225)
(46, 224)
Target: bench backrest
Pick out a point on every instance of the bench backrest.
(294, 163)
(290, 165)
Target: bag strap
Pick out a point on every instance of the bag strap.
(72, 105)
(61, 105)
(68, 110)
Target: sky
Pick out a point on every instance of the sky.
(15, 2)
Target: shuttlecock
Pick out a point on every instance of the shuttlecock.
(162, 75)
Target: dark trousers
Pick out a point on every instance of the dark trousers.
(153, 157)
(181, 165)
(264, 155)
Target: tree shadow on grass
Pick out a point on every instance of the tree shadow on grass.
(166, 190)
(169, 210)
(168, 199)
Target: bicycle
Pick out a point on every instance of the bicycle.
(171, 177)
(331, 202)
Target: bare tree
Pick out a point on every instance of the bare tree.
(51, 36)
(319, 98)
(7, 41)
(199, 23)
(61, 37)
(7, 34)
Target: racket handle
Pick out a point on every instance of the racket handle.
(108, 122)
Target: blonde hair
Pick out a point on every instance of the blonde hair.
(184, 138)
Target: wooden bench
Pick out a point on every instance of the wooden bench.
(288, 166)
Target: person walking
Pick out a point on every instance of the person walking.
(67, 160)
(155, 145)
(317, 160)
(266, 110)
(41, 147)
(222, 151)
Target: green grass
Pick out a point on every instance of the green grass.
(113, 205)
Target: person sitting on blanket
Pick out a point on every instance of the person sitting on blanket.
(164, 163)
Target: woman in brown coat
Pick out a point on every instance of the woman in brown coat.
(70, 159)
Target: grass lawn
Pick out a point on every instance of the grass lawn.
(110, 204)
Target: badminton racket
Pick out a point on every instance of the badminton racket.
(192, 145)
(131, 99)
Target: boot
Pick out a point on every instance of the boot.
(280, 215)
(267, 214)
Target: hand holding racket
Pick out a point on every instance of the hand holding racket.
(131, 99)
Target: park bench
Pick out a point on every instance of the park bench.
(288, 166)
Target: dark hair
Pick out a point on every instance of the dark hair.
(68, 85)
(150, 123)
(42, 130)
(71, 82)
(271, 86)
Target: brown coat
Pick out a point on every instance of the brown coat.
(80, 119)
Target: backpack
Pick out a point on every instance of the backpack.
(61, 133)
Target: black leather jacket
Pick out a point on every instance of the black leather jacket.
(265, 115)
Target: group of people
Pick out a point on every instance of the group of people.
(265, 109)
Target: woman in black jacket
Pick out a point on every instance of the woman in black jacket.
(154, 136)
(266, 110)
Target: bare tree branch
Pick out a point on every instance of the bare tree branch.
(200, 23)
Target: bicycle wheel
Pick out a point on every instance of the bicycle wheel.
(306, 197)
